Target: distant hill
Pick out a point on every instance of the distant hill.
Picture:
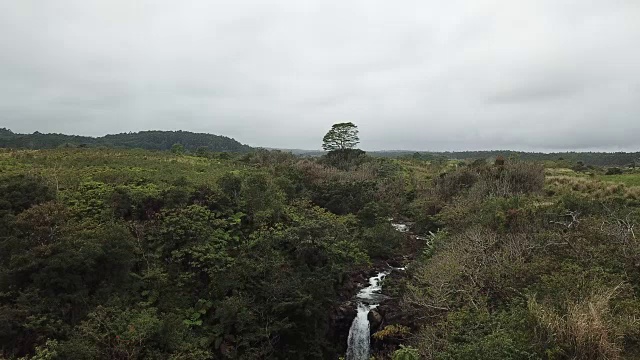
(299, 152)
(163, 140)
(588, 158)
(151, 140)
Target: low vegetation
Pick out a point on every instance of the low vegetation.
(546, 271)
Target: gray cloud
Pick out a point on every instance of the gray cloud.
(427, 75)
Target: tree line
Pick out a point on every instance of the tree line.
(150, 140)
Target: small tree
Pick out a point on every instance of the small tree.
(342, 136)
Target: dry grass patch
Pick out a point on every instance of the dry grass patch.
(592, 187)
(586, 330)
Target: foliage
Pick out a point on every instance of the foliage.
(512, 178)
(525, 273)
(392, 331)
(135, 254)
(341, 136)
(613, 171)
(586, 331)
(132, 254)
(178, 148)
(345, 159)
(405, 353)
(152, 140)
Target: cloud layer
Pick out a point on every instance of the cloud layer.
(424, 75)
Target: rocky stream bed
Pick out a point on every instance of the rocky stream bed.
(364, 297)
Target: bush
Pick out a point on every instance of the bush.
(613, 171)
(450, 185)
(513, 178)
(345, 159)
(23, 191)
(382, 241)
(341, 197)
(372, 213)
(405, 353)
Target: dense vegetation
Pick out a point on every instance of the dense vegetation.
(135, 254)
(131, 254)
(519, 267)
(151, 140)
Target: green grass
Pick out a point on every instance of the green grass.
(632, 179)
(70, 167)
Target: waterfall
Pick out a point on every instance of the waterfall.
(358, 345)
(359, 334)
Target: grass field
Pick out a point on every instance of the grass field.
(632, 179)
(69, 167)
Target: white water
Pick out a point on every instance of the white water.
(358, 345)
(401, 227)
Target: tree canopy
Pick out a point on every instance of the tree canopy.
(341, 136)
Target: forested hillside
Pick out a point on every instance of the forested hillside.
(150, 140)
(135, 254)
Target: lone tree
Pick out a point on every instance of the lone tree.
(342, 136)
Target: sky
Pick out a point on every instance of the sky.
(542, 75)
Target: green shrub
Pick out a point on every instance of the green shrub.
(613, 171)
(405, 353)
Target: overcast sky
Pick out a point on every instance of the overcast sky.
(414, 74)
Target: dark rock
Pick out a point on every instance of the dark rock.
(348, 309)
(375, 320)
(392, 313)
(341, 318)
(394, 263)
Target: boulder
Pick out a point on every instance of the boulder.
(375, 320)
(341, 318)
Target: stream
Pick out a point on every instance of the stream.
(369, 298)
(358, 345)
